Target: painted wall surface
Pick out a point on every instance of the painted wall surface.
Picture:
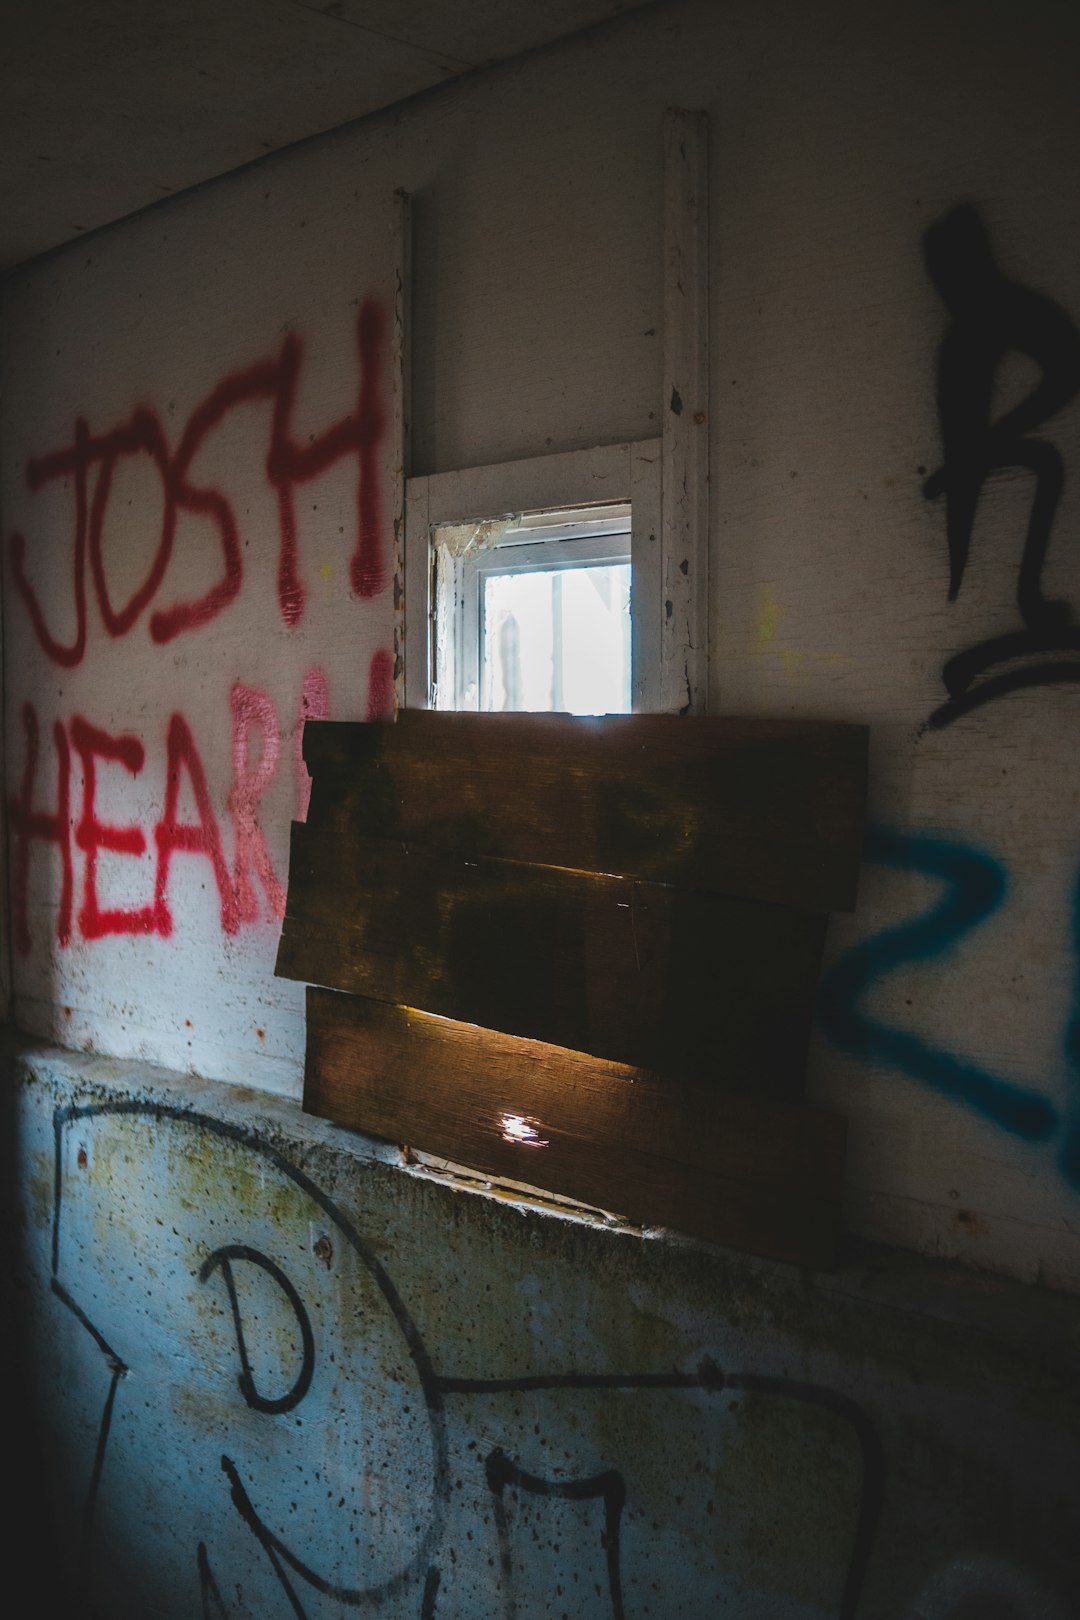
(895, 301)
(266, 1391)
(199, 554)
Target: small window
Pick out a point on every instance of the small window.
(534, 612)
(535, 585)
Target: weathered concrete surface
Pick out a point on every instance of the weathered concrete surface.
(281, 1373)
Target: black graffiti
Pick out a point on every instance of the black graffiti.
(422, 1572)
(992, 317)
(117, 1369)
(431, 1592)
(873, 1469)
(223, 1259)
(608, 1487)
(711, 1378)
(279, 1556)
(708, 1376)
(209, 1591)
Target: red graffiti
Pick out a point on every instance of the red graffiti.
(289, 464)
(314, 705)
(28, 824)
(203, 837)
(92, 834)
(143, 435)
(253, 711)
(171, 836)
(380, 692)
(256, 724)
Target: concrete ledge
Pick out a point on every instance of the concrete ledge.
(301, 1365)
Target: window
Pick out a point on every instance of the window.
(668, 513)
(536, 584)
(534, 612)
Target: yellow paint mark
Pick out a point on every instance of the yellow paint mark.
(326, 570)
(793, 662)
(769, 615)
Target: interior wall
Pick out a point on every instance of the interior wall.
(200, 553)
(224, 357)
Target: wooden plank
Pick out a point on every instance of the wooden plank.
(684, 666)
(699, 985)
(763, 1177)
(765, 809)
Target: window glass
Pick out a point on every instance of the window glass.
(533, 612)
(557, 638)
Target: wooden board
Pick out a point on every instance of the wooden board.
(766, 810)
(759, 1176)
(699, 985)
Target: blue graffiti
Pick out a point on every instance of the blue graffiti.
(974, 886)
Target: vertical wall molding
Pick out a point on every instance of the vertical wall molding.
(646, 581)
(414, 610)
(685, 479)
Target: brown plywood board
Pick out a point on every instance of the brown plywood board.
(767, 810)
(699, 985)
(762, 1176)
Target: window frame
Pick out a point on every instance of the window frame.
(568, 482)
(595, 538)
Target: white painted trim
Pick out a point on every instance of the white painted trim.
(684, 663)
(646, 585)
(415, 598)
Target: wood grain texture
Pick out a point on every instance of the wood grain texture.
(763, 1177)
(767, 810)
(700, 985)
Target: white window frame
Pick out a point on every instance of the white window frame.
(566, 483)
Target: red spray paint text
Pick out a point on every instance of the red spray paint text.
(254, 766)
(90, 461)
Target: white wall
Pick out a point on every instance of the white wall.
(840, 133)
(162, 317)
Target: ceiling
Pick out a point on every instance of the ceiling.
(109, 105)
